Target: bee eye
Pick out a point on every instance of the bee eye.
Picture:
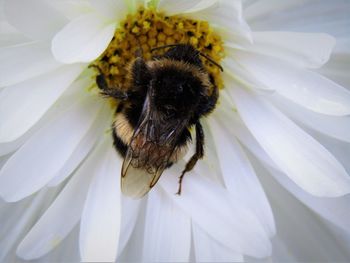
(180, 88)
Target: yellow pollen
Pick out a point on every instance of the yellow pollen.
(146, 25)
(147, 29)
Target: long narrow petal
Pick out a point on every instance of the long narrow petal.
(10, 36)
(113, 9)
(101, 123)
(239, 176)
(10, 147)
(259, 10)
(43, 155)
(100, 222)
(130, 214)
(167, 230)
(25, 61)
(31, 18)
(234, 70)
(226, 16)
(68, 98)
(295, 152)
(226, 220)
(307, 237)
(22, 105)
(337, 68)
(241, 132)
(207, 249)
(83, 39)
(333, 209)
(336, 210)
(65, 212)
(302, 49)
(331, 17)
(17, 219)
(305, 88)
(135, 240)
(335, 126)
(185, 6)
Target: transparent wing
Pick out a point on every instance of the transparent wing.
(142, 167)
(149, 151)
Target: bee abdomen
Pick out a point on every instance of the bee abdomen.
(119, 145)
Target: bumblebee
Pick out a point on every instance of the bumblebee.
(163, 98)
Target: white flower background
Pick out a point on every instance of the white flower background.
(274, 184)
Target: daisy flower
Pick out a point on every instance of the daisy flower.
(273, 182)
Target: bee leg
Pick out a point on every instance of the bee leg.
(107, 91)
(197, 155)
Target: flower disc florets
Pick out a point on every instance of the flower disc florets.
(147, 29)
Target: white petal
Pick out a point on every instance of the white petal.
(263, 8)
(11, 36)
(234, 70)
(239, 176)
(3, 160)
(101, 123)
(83, 39)
(209, 166)
(100, 222)
(23, 104)
(72, 8)
(66, 100)
(335, 126)
(65, 212)
(25, 61)
(130, 214)
(43, 155)
(307, 237)
(296, 153)
(336, 210)
(208, 250)
(19, 218)
(36, 19)
(302, 49)
(343, 45)
(337, 69)
(226, 17)
(226, 220)
(7, 148)
(167, 230)
(184, 6)
(305, 88)
(133, 250)
(113, 9)
(240, 131)
(331, 17)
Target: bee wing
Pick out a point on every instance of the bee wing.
(137, 182)
(137, 177)
(149, 151)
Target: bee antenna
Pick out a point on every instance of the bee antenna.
(200, 53)
(211, 60)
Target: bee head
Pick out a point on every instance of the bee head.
(175, 92)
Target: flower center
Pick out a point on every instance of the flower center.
(147, 29)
